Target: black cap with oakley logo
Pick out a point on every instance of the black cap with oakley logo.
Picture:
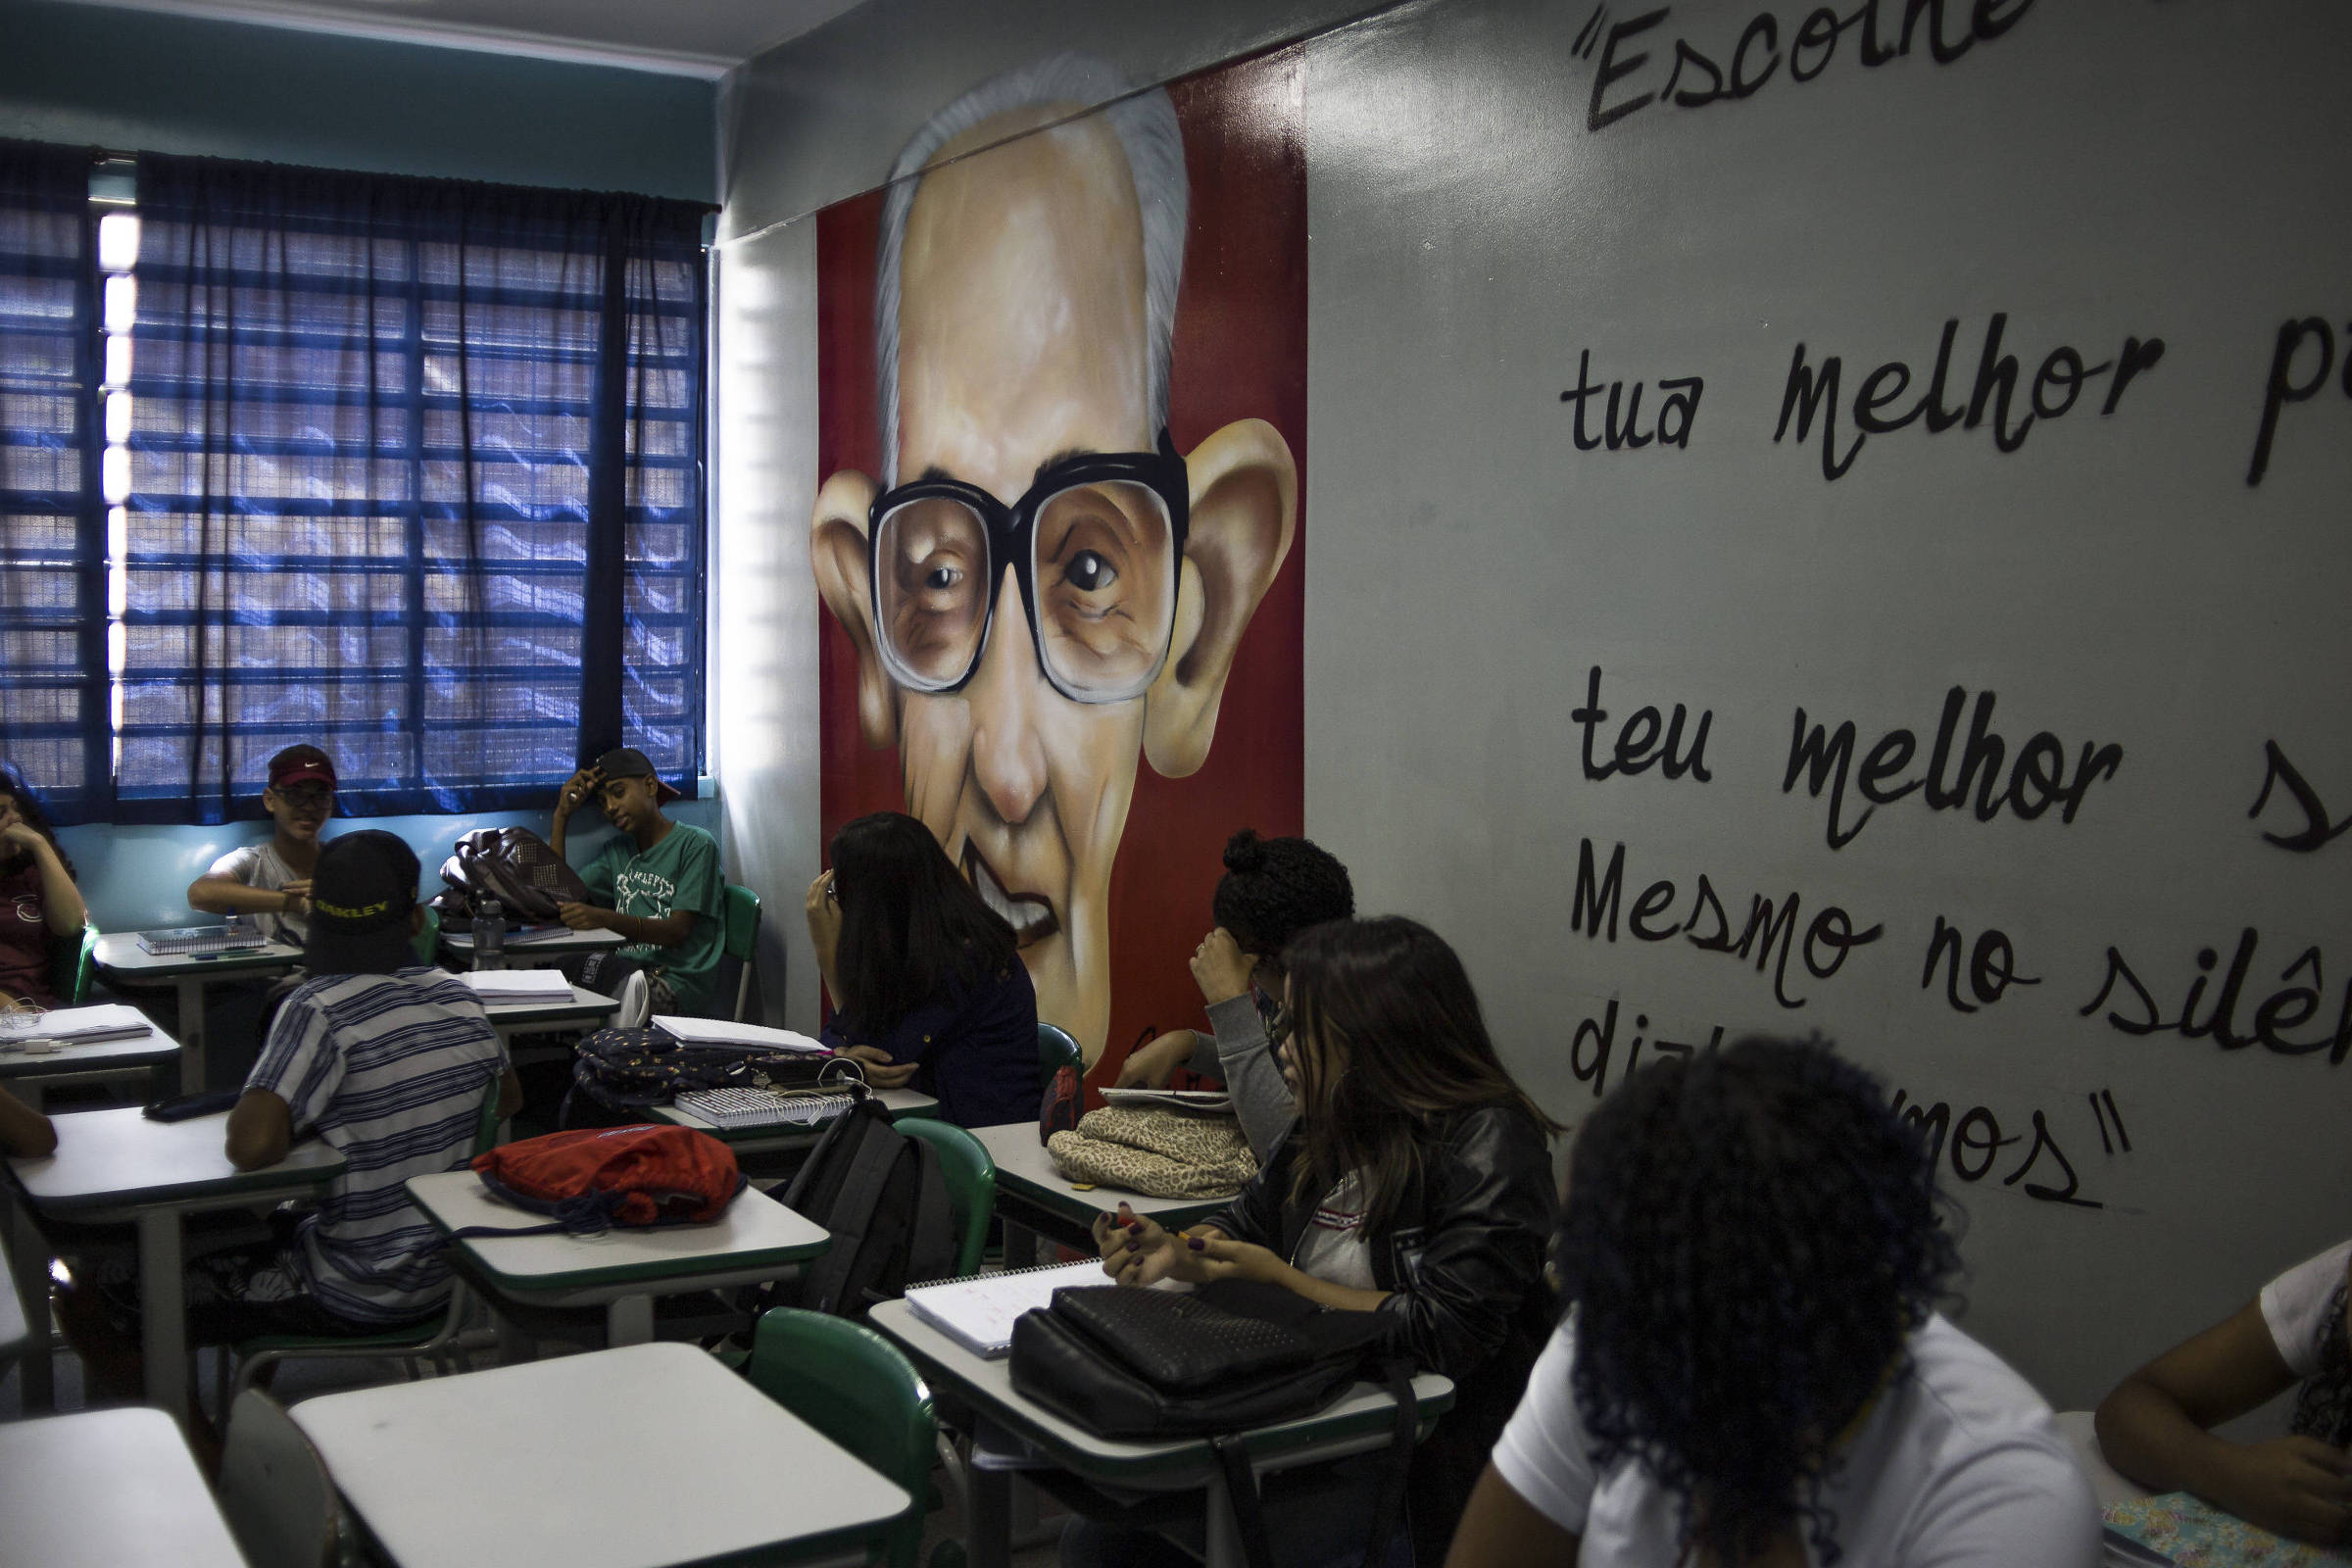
(360, 897)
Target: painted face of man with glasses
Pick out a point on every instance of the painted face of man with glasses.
(1043, 587)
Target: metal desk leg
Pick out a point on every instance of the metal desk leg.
(629, 1320)
(28, 1254)
(162, 1311)
(988, 1539)
(1222, 1547)
(190, 991)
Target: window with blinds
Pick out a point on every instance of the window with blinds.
(413, 474)
(54, 722)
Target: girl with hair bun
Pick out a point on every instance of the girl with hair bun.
(1272, 890)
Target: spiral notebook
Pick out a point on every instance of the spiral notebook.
(978, 1314)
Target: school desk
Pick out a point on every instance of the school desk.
(116, 1167)
(1361, 1420)
(125, 963)
(621, 1269)
(550, 949)
(749, 1140)
(1034, 1200)
(586, 1009)
(107, 1487)
(639, 1457)
(84, 1061)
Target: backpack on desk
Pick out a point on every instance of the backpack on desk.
(514, 866)
(883, 1197)
(587, 1182)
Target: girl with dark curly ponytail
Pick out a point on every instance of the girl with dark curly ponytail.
(1272, 890)
(1752, 1371)
(2154, 1426)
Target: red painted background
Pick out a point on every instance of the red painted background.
(1239, 352)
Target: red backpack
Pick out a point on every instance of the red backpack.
(590, 1180)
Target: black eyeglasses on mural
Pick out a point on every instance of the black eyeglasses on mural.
(1095, 542)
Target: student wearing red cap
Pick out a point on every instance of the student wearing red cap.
(270, 883)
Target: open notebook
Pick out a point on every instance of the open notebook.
(978, 1314)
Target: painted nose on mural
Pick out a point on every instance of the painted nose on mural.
(1007, 757)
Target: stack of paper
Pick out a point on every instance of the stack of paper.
(726, 1032)
(494, 985)
(108, 1022)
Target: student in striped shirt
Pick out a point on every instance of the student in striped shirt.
(384, 1058)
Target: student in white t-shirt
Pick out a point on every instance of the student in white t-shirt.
(1753, 1373)
(269, 883)
(2154, 1427)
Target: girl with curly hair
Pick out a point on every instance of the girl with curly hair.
(1416, 1185)
(2154, 1427)
(1753, 1372)
(1272, 890)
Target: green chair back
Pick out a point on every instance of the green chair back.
(741, 911)
(1055, 1050)
(845, 1380)
(971, 1178)
(428, 940)
(73, 966)
(485, 1126)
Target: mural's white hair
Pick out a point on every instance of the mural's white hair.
(1146, 125)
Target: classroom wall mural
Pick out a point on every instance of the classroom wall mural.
(1059, 540)
(1828, 516)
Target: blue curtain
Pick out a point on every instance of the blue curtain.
(54, 724)
(416, 476)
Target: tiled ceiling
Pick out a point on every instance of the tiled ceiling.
(693, 37)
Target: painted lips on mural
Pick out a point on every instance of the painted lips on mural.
(1039, 588)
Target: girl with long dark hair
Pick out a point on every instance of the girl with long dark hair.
(1753, 1372)
(39, 905)
(927, 986)
(1416, 1184)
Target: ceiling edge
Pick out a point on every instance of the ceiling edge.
(446, 35)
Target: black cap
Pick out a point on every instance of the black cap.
(361, 896)
(627, 762)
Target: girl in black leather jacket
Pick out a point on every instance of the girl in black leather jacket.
(1416, 1184)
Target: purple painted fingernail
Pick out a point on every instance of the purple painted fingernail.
(1196, 1244)
(1136, 1229)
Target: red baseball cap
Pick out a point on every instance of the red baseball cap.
(300, 764)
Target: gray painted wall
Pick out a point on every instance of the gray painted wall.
(132, 79)
(2102, 170)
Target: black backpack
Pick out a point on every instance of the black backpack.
(618, 1075)
(884, 1198)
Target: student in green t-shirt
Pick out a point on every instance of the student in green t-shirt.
(657, 884)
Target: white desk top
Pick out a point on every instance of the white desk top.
(647, 1456)
(754, 1232)
(1364, 1411)
(119, 1158)
(121, 953)
(1024, 1166)
(584, 1004)
(72, 1057)
(107, 1487)
(553, 946)
(897, 1102)
(14, 1329)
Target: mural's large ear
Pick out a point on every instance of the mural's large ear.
(1244, 510)
(837, 557)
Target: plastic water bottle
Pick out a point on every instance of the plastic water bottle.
(490, 936)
